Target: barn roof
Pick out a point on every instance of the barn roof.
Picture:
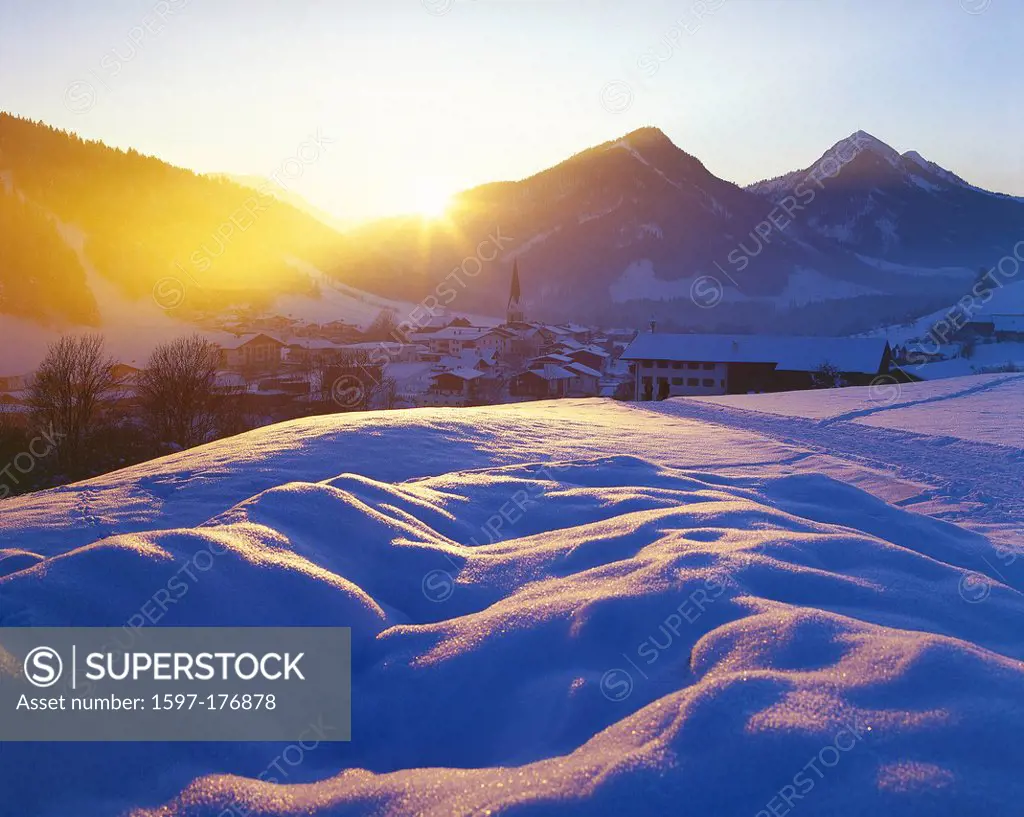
(787, 352)
(461, 374)
(580, 368)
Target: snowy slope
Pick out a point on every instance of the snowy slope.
(964, 398)
(132, 328)
(338, 301)
(1008, 299)
(579, 607)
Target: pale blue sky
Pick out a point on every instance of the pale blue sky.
(423, 103)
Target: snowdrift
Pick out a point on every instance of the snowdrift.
(581, 631)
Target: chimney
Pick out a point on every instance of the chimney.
(654, 324)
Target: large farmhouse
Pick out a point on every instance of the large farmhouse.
(666, 365)
(254, 351)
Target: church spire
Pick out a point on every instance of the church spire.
(514, 310)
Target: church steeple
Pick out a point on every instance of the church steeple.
(514, 310)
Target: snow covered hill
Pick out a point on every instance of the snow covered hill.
(575, 607)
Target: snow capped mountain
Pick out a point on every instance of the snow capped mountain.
(623, 231)
(627, 229)
(902, 208)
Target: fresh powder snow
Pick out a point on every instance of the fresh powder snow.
(711, 606)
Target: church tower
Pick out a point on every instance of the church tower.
(514, 311)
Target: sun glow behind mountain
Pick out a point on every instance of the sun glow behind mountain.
(431, 200)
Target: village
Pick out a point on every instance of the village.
(280, 368)
(277, 368)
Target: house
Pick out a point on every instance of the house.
(677, 365)
(551, 357)
(314, 351)
(453, 340)
(16, 382)
(12, 412)
(547, 382)
(526, 341)
(1008, 327)
(594, 358)
(381, 352)
(454, 388)
(582, 334)
(339, 331)
(481, 360)
(586, 383)
(257, 352)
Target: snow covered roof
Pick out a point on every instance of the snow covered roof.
(788, 352)
(314, 343)
(579, 368)
(370, 345)
(469, 359)
(462, 374)
(552, 372)
(458, 333)
(592, 350)
(228, 341)
(1008, 323)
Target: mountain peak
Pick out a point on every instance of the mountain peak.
(647, 132)
(862, 140)
(648, 136)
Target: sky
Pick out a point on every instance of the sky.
(391, 105)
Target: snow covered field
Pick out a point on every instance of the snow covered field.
(982, 408)
(577, 607)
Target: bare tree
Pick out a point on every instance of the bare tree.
(67, 391)
(179, 392)
(384, 326)
(827, 376)
(385, 393)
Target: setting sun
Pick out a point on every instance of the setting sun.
(431, 200)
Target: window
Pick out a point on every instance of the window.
(709, 367)
(721, 383)
(692, 381)
(677, 365)
(677, 381)
(662, 364)
(708, 381)
(692, 365)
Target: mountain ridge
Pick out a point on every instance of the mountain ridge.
(619, 232)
